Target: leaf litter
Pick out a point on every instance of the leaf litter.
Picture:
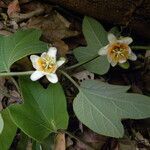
(56, 29)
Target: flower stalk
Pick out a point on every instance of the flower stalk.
(140, 47)
(24, 73)
(82, 63)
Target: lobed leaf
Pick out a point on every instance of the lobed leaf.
(101, 107)
(96, 38)
(19, 45)
(9, 131)
(44, 110)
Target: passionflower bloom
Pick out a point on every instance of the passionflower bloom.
(46, 65)
(118, 50)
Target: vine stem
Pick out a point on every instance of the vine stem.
(141, 47)
(78, 139)
(96, 56)
(82, 63)
(16, 73)
(69, 77)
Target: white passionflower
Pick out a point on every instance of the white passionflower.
(118, 50)
(46, 65)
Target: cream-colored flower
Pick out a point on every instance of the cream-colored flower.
(118, 50)
(46, 65)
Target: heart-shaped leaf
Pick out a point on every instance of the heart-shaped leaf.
(96, 38)
(19, 45)
(101, 107)
(44, 110)
(8, 132)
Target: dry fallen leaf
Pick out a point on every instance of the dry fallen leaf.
(141, 139)
(2, 4)
(55, 28)
(22, 64)
(3, 89)
(52, 26)
(24, 1)
(126, 144)
(60, 143)
(14, 97)
(13, 8)
(95, 141)
(84, 75)
(62, 46)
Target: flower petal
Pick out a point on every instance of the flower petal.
(125, 40)
(112, 38)
(121, 61)
(60, 61)
(34, 59)
(52, 78)
(52, 52)
(43, 55)
(36, 75)
(103, 50)
(129, 50)
(109, 59)
(132, 56)
(113, 63)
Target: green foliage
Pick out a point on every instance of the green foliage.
(44, 110)
(48, 143)
(125, 65)
(19, 45)
(115, 31)
(96, 38)
(1, 124)
(9, 131)
(101, 107)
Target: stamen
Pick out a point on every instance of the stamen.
(122, 55)
(47, 64)
(118, 51)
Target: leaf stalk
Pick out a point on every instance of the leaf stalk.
(69, 77)
(16, 73)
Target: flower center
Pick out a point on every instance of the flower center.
(47, 64)
(118, 51)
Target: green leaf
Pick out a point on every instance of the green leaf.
(101, 107)
(9, 131)
(125, 65)
(49, 142)
(1, 123)
(96, 38)
(44, 110)
(115, 31)
(19, 45)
